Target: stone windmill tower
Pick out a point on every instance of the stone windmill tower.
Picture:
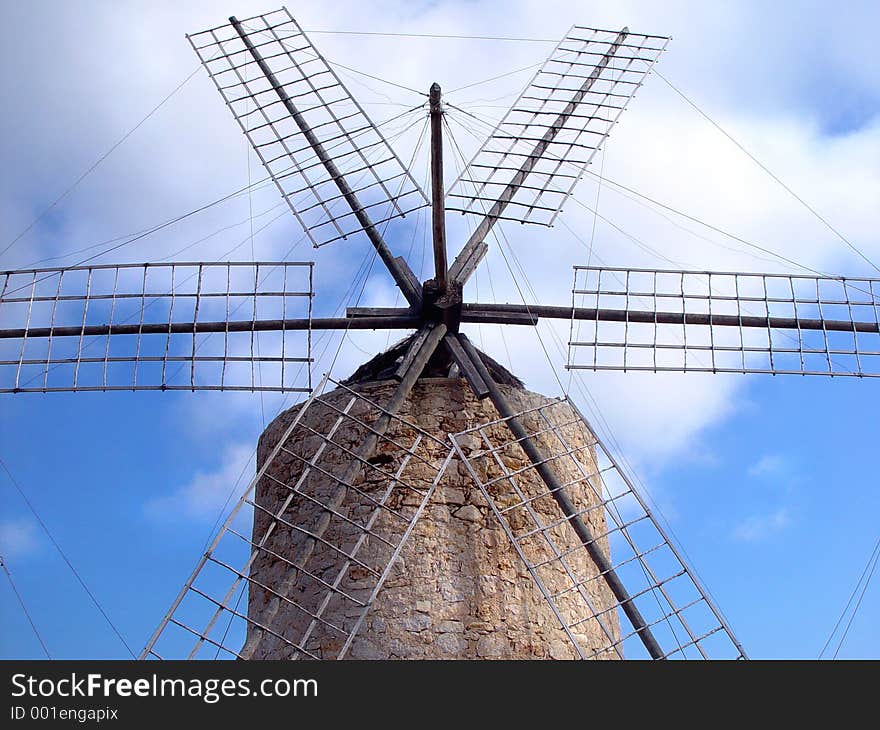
(428, 506)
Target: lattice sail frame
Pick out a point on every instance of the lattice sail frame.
(356, 146)
(725, 322)
(206, 619)
(676, 609)
(176, 326)
(591, 75)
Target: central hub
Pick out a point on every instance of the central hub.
(442, 307)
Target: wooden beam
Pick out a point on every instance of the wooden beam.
(413, 350)
(438, 195)
(380, 318)
(462, 269)
(470, 373)
(493, 312)
(265, 325)
(521, 318)
(380, 312)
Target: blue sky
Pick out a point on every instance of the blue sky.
(770, 483)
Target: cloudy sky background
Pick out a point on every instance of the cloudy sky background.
(770, 483)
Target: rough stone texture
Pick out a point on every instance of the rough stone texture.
(459, 589)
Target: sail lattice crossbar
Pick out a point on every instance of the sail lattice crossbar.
(331, 539)
(297, 113)
(534, 157)
(175, 326)
(616, 584)
(724, 322)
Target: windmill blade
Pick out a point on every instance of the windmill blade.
(530, 163)
(627, 566)
(724, 322)
(331, 164)
(176, 326)
(329, 522)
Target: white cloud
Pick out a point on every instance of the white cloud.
(761, 527)
(767, 465)
(206, 493)
(17, 538)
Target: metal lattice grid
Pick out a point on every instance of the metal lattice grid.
(556, 126)
(328, 535)
(724, 322)
(675, 610)
(336, 123)
(176, 326)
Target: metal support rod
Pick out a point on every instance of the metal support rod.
(396, 266)
(603, 564)
(425, 348)
(438, 206)
(456, 271)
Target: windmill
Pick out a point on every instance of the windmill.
(571, 516)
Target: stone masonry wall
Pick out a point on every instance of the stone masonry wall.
(459, 589)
